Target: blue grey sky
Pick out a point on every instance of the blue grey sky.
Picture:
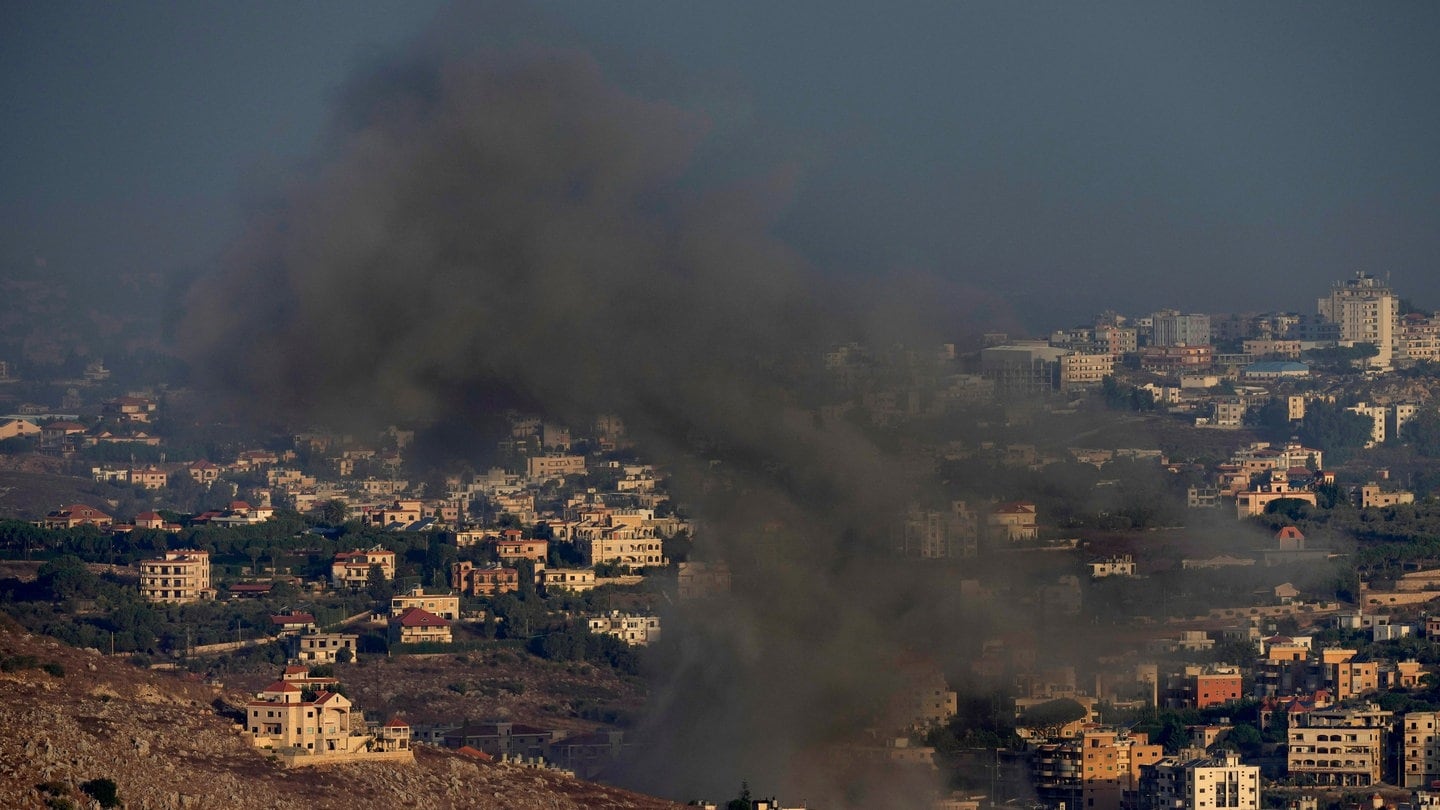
(1063, 157)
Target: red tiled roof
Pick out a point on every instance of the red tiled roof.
(281, 686)
(420, 617)
(396, 722)
(251, 587)
(293, 618)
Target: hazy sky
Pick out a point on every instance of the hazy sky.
(1211, 156)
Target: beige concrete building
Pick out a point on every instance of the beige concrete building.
(554, 466)
(304, 724)
(1366, 310)
(179, 576)
(1095, 770)
(324, 648)
(1014, 521)
(1372, 496)
(570, 579)
(1251, 502)
(352, 568)
(474, 580)
(696, 579)
(633, 630)
(512, 550)
(1339, 747)
(419, 626)
(444, 605)
(1420, 749)
(1080, 370)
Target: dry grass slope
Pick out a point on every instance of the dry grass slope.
(70, 716)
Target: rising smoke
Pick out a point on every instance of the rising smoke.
(510, 228)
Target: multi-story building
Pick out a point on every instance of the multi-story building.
(1418, 338)
(324, 648)
(1340, 747)
(514, 549)
(1022, 367)
(628, 628)
(1177, 358)
(1216, 687)
(1366, 311)
(179, 576)
(1116, 565)
(1170, 328)
(1079, 370)
(474, 580)
(554, 466)
(444, 605)
(1372, 496)
(1014, 521)
(1377, 415)
(1095, 770)
(1251, 502)
(419, 626)
(622, 545)
(1347, 677)
(1117, 340)
(570, 579)
(932, 534)
(1208, 783)
(697, 579)
(305, 724)
(1420, 749)
(352, 568)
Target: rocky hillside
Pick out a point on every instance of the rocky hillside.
(71, 717)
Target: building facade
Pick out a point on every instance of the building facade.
(180, 576)
(1338, 747)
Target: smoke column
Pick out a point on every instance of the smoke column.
(509, 227)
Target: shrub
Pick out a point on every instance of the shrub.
(54, 669)
(103, 791)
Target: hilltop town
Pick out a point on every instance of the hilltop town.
(1194, 554)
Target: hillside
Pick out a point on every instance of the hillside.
(73, 716)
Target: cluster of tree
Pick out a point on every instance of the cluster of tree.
(1136, 493)
(1422, 433)
(573, 641)
(1326, 426)
(1121, 397)
(70, 602)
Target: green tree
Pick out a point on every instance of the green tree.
(378, 586)
(333, 512)
(1422, 433)
(1331, 428)
(742, 802)
(1049, 717)
(67, 578)
(103, 791)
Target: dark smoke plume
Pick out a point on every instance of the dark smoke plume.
(511, 228)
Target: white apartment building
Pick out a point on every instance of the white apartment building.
(1208, 783)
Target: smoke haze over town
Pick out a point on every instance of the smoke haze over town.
(441, 216)
(1137, 155)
